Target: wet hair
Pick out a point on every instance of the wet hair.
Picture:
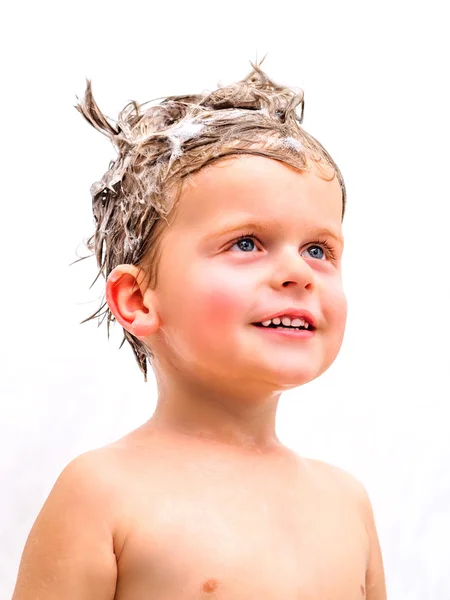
(160, 144)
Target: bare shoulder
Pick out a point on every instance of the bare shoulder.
(95, 473)
(69, 552)
(354, 491)
(91, 460)
(94, 477)
(340, 480)
(100, 474)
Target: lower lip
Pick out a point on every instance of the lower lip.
(301, 334)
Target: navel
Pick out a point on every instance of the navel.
(363, 590)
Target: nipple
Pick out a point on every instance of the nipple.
(209, 586)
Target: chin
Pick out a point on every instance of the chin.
(296, 379)
(284, 376)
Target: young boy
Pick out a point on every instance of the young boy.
(218, 229)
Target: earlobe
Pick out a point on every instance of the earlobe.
(140, 329)
(125, 298)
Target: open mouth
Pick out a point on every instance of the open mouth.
(285, 327)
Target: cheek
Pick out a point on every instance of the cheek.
(336, 307)
(222, 300)
(219, 303)
(219, 306)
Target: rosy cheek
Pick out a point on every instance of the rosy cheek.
(215, 309)
(336, 306)
(221, 306)
(220, 297)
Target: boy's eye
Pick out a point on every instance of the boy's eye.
(246, 244)
(242, 245)
(316, 252)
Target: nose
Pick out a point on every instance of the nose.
(292, 269)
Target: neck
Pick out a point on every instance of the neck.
(231, 414)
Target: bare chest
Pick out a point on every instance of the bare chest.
(211, 533)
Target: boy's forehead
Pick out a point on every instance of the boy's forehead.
(258, 187)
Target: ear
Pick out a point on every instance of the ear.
(131, 302)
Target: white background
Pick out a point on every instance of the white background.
(375, 78)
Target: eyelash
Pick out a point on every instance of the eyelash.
(319, 242)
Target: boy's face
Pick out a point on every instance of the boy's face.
(211, 289)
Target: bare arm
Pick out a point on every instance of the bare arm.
(69, 552)
(375, 580)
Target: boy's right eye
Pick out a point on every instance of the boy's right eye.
(242, 239)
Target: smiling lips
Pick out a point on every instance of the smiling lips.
(287, 332)
(292, 314)
(285, 323)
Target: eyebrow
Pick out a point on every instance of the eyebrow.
(264, 227)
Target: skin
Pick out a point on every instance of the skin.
(203, 500)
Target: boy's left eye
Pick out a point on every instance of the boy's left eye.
(315, 249)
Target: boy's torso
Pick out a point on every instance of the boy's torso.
(195, 523)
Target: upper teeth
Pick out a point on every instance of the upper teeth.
(287, 321)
